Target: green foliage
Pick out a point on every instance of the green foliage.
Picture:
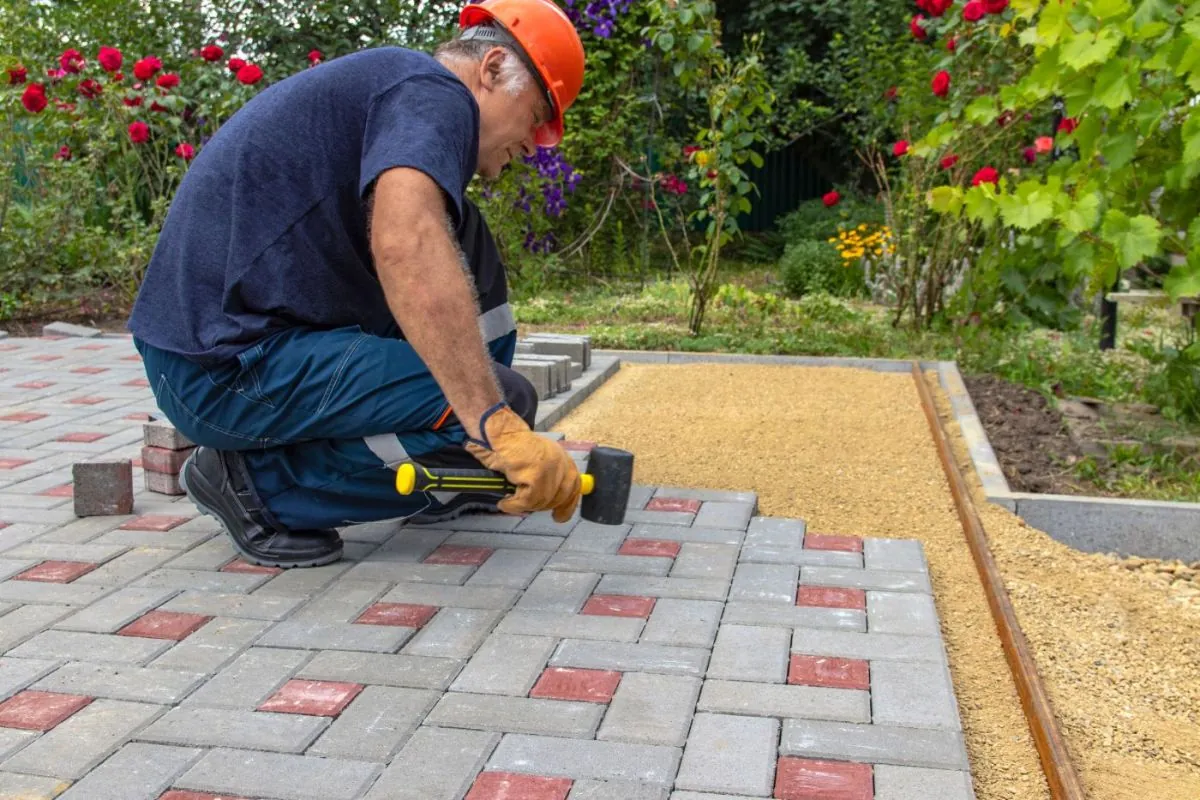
(813, 220)
(810, 266)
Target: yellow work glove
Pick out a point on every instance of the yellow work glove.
(544, 474)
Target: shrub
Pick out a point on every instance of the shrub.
(814, 220)
(815, 266)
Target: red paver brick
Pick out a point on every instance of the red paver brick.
(829, 672)
(154, 522)
(22, 416)
(3, 525)
(89, 400)
(90, 370)
(810, 779)
(831, 597)
(64, 490)
(39, 711)
(819, 541)
(184, 794)
(566, 683)
(618, 605)
(649, 547)
(160, 459)
(140, 416)
(83, 436)
(35, 384)
(459, 554)
(405, 615)
(139, 382)
(8, 348)
(55, 571)
(92, 347)
(13, 463)
(134, 357)
(578, 446)
(515, 786)
(45, 357)
(673, 504)
(51, 338)
(315, 698)
(241, 565)
(164, 625)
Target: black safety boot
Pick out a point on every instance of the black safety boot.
(218, 483)
(464, 503)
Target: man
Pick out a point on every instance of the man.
(325, 304)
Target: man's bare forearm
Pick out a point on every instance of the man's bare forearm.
(432, 298)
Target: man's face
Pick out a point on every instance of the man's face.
(507, 122)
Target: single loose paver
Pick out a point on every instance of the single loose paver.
(698, 652)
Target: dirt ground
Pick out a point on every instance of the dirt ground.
(849, 451)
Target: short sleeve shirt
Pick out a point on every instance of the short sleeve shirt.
(268, 229)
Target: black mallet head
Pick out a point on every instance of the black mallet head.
(612, 471)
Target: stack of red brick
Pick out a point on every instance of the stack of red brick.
(164, 450)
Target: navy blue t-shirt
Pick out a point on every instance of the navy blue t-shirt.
(268, 229)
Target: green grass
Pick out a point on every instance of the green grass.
(1131, 472)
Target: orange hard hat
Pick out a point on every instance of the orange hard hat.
(548, 43)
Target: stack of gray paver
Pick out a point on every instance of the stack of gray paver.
(551, 361)
(701, 651)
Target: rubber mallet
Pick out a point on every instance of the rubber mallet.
(605, 486)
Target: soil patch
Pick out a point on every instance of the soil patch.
(849, 451)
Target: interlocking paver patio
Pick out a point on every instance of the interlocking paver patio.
(702, 650)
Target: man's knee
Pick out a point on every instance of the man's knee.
(518, 393)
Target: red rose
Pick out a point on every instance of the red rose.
(145, 69)
(168, 80)
(249, 74)
(952, 43)
(110, 59)
(1004, 118)
(890, 94)
(973, 11)
(63, 154)
(17, 75)
(985, 175)
(1030, 155)
(831, 199)
(1068, 125)
(117, 77)
(71, 60)
(711, 175)
(159, 107)
(314, 57)
(139, 132)
(995, 6)
(211, 52)
(1043, 144)
(915, 27)
(185, 151)
(132, 102)
(236, 64)
(34, 98)
(900, 148)
(949, 161)
(938, 7)
(941, 83)
(90, 89)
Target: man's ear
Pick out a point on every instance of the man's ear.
(489, 68)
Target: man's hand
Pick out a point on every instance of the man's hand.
(543, 472)
(430, 292)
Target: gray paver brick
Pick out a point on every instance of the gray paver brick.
(174, 539)
(515, 541)
(83, 740)
(748, 653)
(639, 496)
(76, 532)
(487, 522)
(510, 568)
(435, 764)
(728, 753)
(772, 700)
(115, 611)
(584, 758)
(542, 524)
(686, 533)
(430, 594)
(706, 495)
(687, 623)
(202, 581)
(902, 612)
(904, 555)
(82, 646)
(879, 744)
(128, 567)
(872, 646)
(45, 551)
(772, 554)
(564, 592)
(342, 602)
(227, 727)
(398, 571)
(135, 772)
(29, 787)
(414, 672)
(765, 583)
(610, 564)
(213, 646)
(532, 715)
(121, 682)
(505, 664)
(698, 560)
(644, 517)
(250, 679)
(213, 554)
(375, 724)
(651, 709)
(775, 532)
(16, 535)
(912, 783)
(588, 537)
(411, 545)
(335, 636)
(679, 588)
(303, 582)
(12, 740)
(453, 633)
(24, 622)
(588, 789)
(722, 514)
(913, 695)
(279, 775)
(217, 604)
(17, 673)
(579, 626)
(876, 579)
(61, 594)
(789, 616)
(626, 657)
